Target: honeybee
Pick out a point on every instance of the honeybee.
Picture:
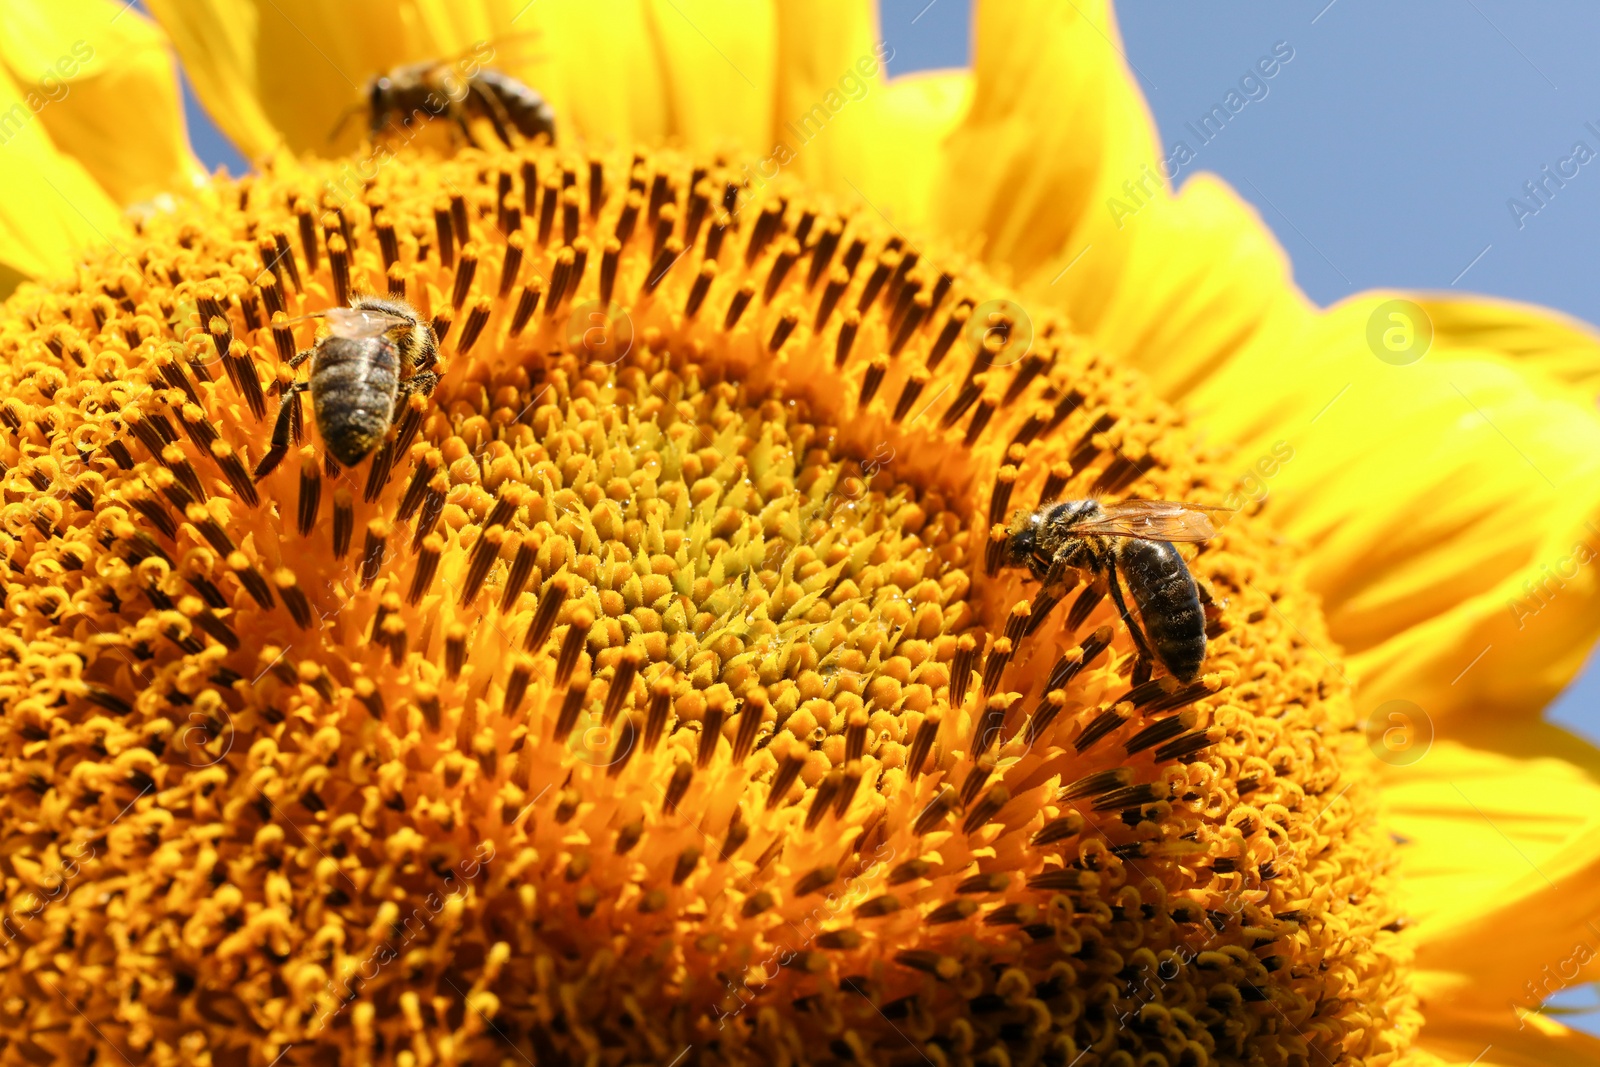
(1135, 538)
(461, 89)
(377, 352)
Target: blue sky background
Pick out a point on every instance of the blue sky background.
(1383, 155)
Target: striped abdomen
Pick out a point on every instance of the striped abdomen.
(525, 107)
(353, 387)
(1169, 604)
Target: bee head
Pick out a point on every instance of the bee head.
(416, 343)
(1022, 536)
(378, 90)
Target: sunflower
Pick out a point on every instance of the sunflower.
(659, 689)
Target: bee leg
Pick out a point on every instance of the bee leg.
(345, 116)
(1056, 581)
(1143, 669)
(466, 130)
(423, 383)
(1053, 589)
(496, 111)
(459, 114)
(300, 357)
(287, 426)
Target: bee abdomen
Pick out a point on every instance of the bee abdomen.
(1169, 605)
(353, 387)
(525, 107)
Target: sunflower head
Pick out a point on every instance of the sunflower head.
(662, 681)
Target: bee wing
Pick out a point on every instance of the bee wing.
(355, 324)
(1153, 520)
(352, 323)
(492, 44)
(516, 37)
(302, 318)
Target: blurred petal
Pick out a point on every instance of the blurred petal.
(1543, 342)
(718, 60)
(50, 206)
(916, 114)
(600, 68)
(1056, 126)
(1409, 485)
(314, 60)
(1499, 860)
(114, 97)
(828, 93)
(1204, 279)
(217, 41)
(1498, 1037)
(844, 127)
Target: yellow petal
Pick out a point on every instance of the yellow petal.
(829, 91)
(1543, 341)
(1055, 127)
(600, 68)
(842, 126)
(49, 205)
(1497, 1037)
(217, 41)
(1444, 501)
(1501, 854)
(1450, 506)
(916, 115)
(1203, 281)
(113, 92)
(718, 62)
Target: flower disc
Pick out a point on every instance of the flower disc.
(655, 690)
